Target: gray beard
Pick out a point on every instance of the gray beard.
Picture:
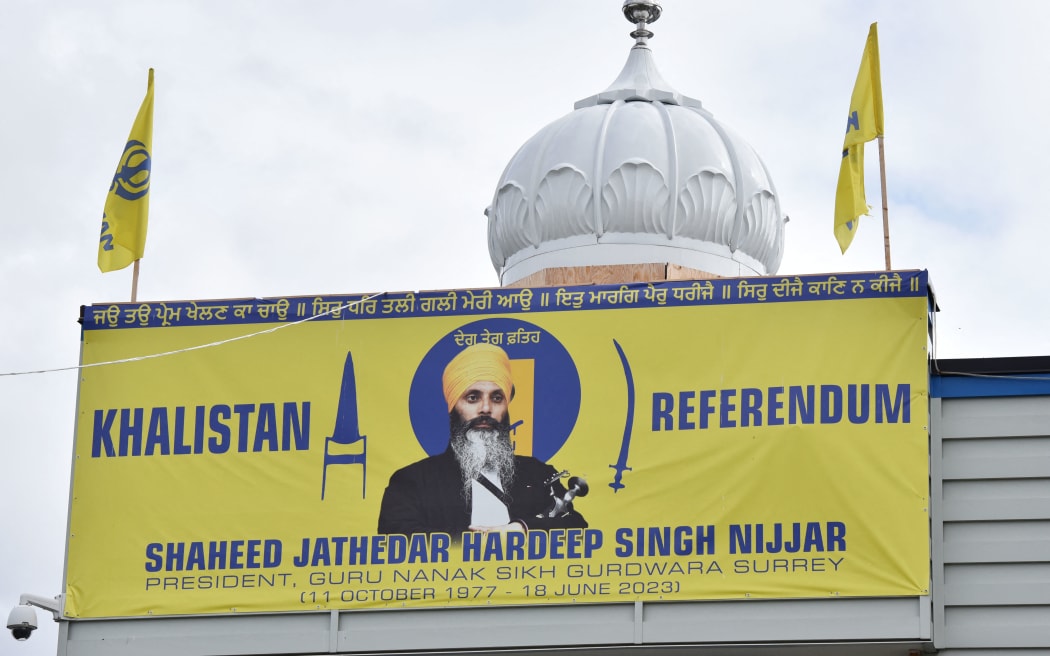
(478, 450)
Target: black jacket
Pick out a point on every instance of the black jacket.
(427, 497)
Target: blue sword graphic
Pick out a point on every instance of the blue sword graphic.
(625, 446)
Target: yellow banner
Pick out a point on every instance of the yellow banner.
(714, 440)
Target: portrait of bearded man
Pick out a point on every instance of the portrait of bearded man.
(478, 483)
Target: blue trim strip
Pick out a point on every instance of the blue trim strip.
(947, 386)
(723, 291)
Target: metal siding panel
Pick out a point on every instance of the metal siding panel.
(997, 594)
(996, 499)
(993, 509)
(990, 542)
(600, 626)
(998, 627)
(998, 417)
(997, 584)
(1002, 467)
(186, 636)
(777, 620)
(1005, 573)
(990, 464)
(487, 628)
(1005, 457)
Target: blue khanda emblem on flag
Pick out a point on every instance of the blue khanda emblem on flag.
(546, 402)
(131, 181)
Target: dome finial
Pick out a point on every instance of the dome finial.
(641, 13)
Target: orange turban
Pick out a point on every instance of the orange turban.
(477, 363)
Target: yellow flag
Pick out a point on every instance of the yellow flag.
(863, 124)
(126, 214)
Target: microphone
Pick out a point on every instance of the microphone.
(577, 488)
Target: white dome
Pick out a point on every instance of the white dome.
(636, 174)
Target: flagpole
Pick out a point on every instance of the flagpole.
(885, 205)
(135, 279)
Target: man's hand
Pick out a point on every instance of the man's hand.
(513, 527)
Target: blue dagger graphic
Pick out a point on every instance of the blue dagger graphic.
(625, 446)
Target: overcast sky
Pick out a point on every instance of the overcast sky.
(350, 146)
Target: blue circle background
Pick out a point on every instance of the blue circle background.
(556, 394)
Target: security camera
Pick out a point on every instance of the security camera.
(22, 622)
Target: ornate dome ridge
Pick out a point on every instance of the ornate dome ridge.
(639, 80)
(637, 174)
